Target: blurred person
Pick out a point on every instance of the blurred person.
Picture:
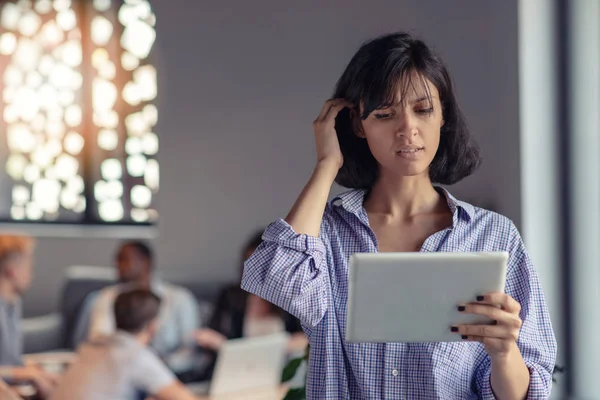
(178, 318)
(240, 314)
(121, 366)
(392, 134)
(16, 273)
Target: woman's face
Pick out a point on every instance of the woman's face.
(404, 138)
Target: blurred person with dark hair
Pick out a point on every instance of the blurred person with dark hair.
(16, 273)
(121, 366)
(178, 318)
(240, 314)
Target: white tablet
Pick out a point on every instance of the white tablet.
(413, 297)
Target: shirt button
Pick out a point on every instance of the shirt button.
(395, 372)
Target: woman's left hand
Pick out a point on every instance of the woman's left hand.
(500, 338)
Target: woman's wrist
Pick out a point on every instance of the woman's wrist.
(330, 168)
(504, 359)
(510, 375)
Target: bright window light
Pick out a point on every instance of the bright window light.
(8, 43)
(78, 121)
(102, 5)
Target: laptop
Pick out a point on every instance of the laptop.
(413, 297)
(250, 365)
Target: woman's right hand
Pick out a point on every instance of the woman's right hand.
(328, 146)
(306, 215)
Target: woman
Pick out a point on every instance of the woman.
(392, 131)
(239, 314)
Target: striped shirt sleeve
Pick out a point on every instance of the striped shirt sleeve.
(536, 338)
(290, 270)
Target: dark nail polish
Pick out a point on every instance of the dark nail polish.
(461, 308)
(494, 322)
(454, 329)
(465, 337)
(479, 298)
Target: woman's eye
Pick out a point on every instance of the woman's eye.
(383, 116)
(425, 110)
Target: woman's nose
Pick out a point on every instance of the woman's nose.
(407, 125)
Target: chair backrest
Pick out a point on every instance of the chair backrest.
(80, 281)
(206, 296)
(81, 326)
(42, 333)
(202, 291)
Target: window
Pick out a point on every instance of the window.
(77, 92)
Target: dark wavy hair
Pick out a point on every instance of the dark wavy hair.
(372, 79)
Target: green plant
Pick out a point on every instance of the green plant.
(289, 371)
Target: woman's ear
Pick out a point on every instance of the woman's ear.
(357, 124)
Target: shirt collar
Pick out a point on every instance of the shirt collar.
(468, 210)
(123, 337)
(352, 201)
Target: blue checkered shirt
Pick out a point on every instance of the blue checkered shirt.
(308, 277)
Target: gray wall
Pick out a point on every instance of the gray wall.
(241, 83)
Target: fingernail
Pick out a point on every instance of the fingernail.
(465, 337)
(461, 308)
(494, 322)
(454, 329)
(479, 298)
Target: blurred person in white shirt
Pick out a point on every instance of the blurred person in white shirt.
(121, 366)
(178, 318)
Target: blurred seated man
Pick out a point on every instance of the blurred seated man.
(240, 314)
(16, 259)
(178, 317)
(121, 366)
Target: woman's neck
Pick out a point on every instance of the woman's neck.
(403, 197)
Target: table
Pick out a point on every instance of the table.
(52, 362)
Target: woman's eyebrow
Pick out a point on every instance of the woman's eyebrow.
(417, 100)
